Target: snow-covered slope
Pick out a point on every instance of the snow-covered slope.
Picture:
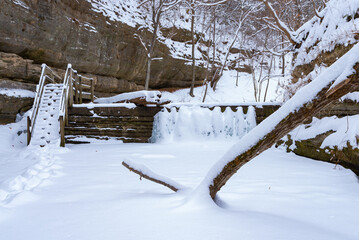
(323, 40)
(338, 25)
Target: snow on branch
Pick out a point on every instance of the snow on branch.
(315, 11)
(148, 174)
(281, 25)
(143, 44)
(170, 5)
(212, 3)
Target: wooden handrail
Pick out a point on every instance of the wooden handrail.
(72, 82)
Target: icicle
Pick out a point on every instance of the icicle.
(228, 118)
(240, 123)
(199, 123)
(217, 122)
(251, 118)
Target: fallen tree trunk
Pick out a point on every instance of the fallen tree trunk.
(302, 106)
(340, 78)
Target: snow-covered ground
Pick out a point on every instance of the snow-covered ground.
(88, 194)
(228, 92)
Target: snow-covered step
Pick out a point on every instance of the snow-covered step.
(46, 128)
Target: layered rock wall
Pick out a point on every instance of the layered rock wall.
(33, 32)
(67, 31)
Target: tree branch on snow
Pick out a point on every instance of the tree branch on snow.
(146, 173)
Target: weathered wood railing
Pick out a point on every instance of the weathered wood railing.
(47, 75)
(74, 90)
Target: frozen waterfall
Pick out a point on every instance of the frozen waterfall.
(193, 123)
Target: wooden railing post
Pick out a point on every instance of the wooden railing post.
(66, 113)
(62, 131)
(76, 88)
(71, 91)
(28, 130)
(93, 88)
(80, 88)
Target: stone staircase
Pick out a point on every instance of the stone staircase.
(121, 123)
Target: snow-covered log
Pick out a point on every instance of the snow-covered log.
(148, 174)
(339, 79)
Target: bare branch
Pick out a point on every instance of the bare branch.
(325, 3)
(280, 24)
(142, 43)
(149, 175)
(212, 4)
(170, 5)
(315, 10)
(279, 54)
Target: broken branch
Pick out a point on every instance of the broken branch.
(146, 173)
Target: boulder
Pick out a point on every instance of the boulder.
(10, 106)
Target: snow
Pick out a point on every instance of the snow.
(20, 93)
(93, 196)
(345, 130)
(226, 92)
(124, 11)
(95, 105)
(334, 29)
(149, 96)
(84, 192)
(21, 3)
(354, 96)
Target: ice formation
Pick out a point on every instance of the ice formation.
(193, 123)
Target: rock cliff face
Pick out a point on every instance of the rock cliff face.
(311, 146)
(59, 32)
(67, 31)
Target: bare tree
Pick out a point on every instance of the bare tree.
(193, 5)
(158, 7)
(245, 9)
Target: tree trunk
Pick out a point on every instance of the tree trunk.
(193, 56)
(214, 45)
(281, 123)
(148, 73)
